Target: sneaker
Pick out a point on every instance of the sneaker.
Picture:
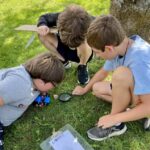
(147, 124)
(83, 76)
(67, 65)
(99, 134)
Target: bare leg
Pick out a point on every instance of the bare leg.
(84, 53)
(103, 90)
(122, 87)
(50, 42)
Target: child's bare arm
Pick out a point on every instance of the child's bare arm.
(140, 111)
(99, 76)
(45, 22)
(43, 30)
(84, 52)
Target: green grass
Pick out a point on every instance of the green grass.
(81, 112)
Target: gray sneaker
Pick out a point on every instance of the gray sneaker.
(147, 124)
(99, 134)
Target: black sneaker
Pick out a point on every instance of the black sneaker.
(99, 134)
(147, 124)
(83, 76)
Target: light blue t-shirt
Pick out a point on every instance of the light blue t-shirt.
(16, 89)
(137, 59)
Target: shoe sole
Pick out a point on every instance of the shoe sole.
(147, 124)
(111, 135)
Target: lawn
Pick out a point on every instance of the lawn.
(81, 112)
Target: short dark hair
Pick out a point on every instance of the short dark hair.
(105, 30)
(72, 24)
(46, 67)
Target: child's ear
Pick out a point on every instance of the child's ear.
(49, 85)
(44, 84)
(109, 48)
(39, 82)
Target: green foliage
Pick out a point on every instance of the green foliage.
(81, 112)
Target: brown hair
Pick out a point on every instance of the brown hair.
(46, 67)
(105, 30)
(73, 23)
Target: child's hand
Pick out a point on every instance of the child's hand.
(79, 91)
(107, 121)
(43, 30)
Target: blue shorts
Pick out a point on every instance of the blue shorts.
(67, 53)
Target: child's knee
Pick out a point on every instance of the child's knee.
(122, 75)
(96, 89)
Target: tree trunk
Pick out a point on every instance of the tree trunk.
(134, 16)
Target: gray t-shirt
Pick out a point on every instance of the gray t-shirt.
(16, 89)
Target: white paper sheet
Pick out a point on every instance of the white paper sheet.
(65, 141)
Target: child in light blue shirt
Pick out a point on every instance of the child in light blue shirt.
(137, 58)
(129, 59)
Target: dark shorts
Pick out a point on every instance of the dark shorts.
(67, 53)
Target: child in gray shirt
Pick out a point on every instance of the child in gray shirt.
(19, 86)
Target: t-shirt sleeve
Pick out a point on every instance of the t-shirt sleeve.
(141, 74)
(12, 89)
(49, 19)
(108, 65)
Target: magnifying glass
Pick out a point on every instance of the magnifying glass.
(65, 97)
